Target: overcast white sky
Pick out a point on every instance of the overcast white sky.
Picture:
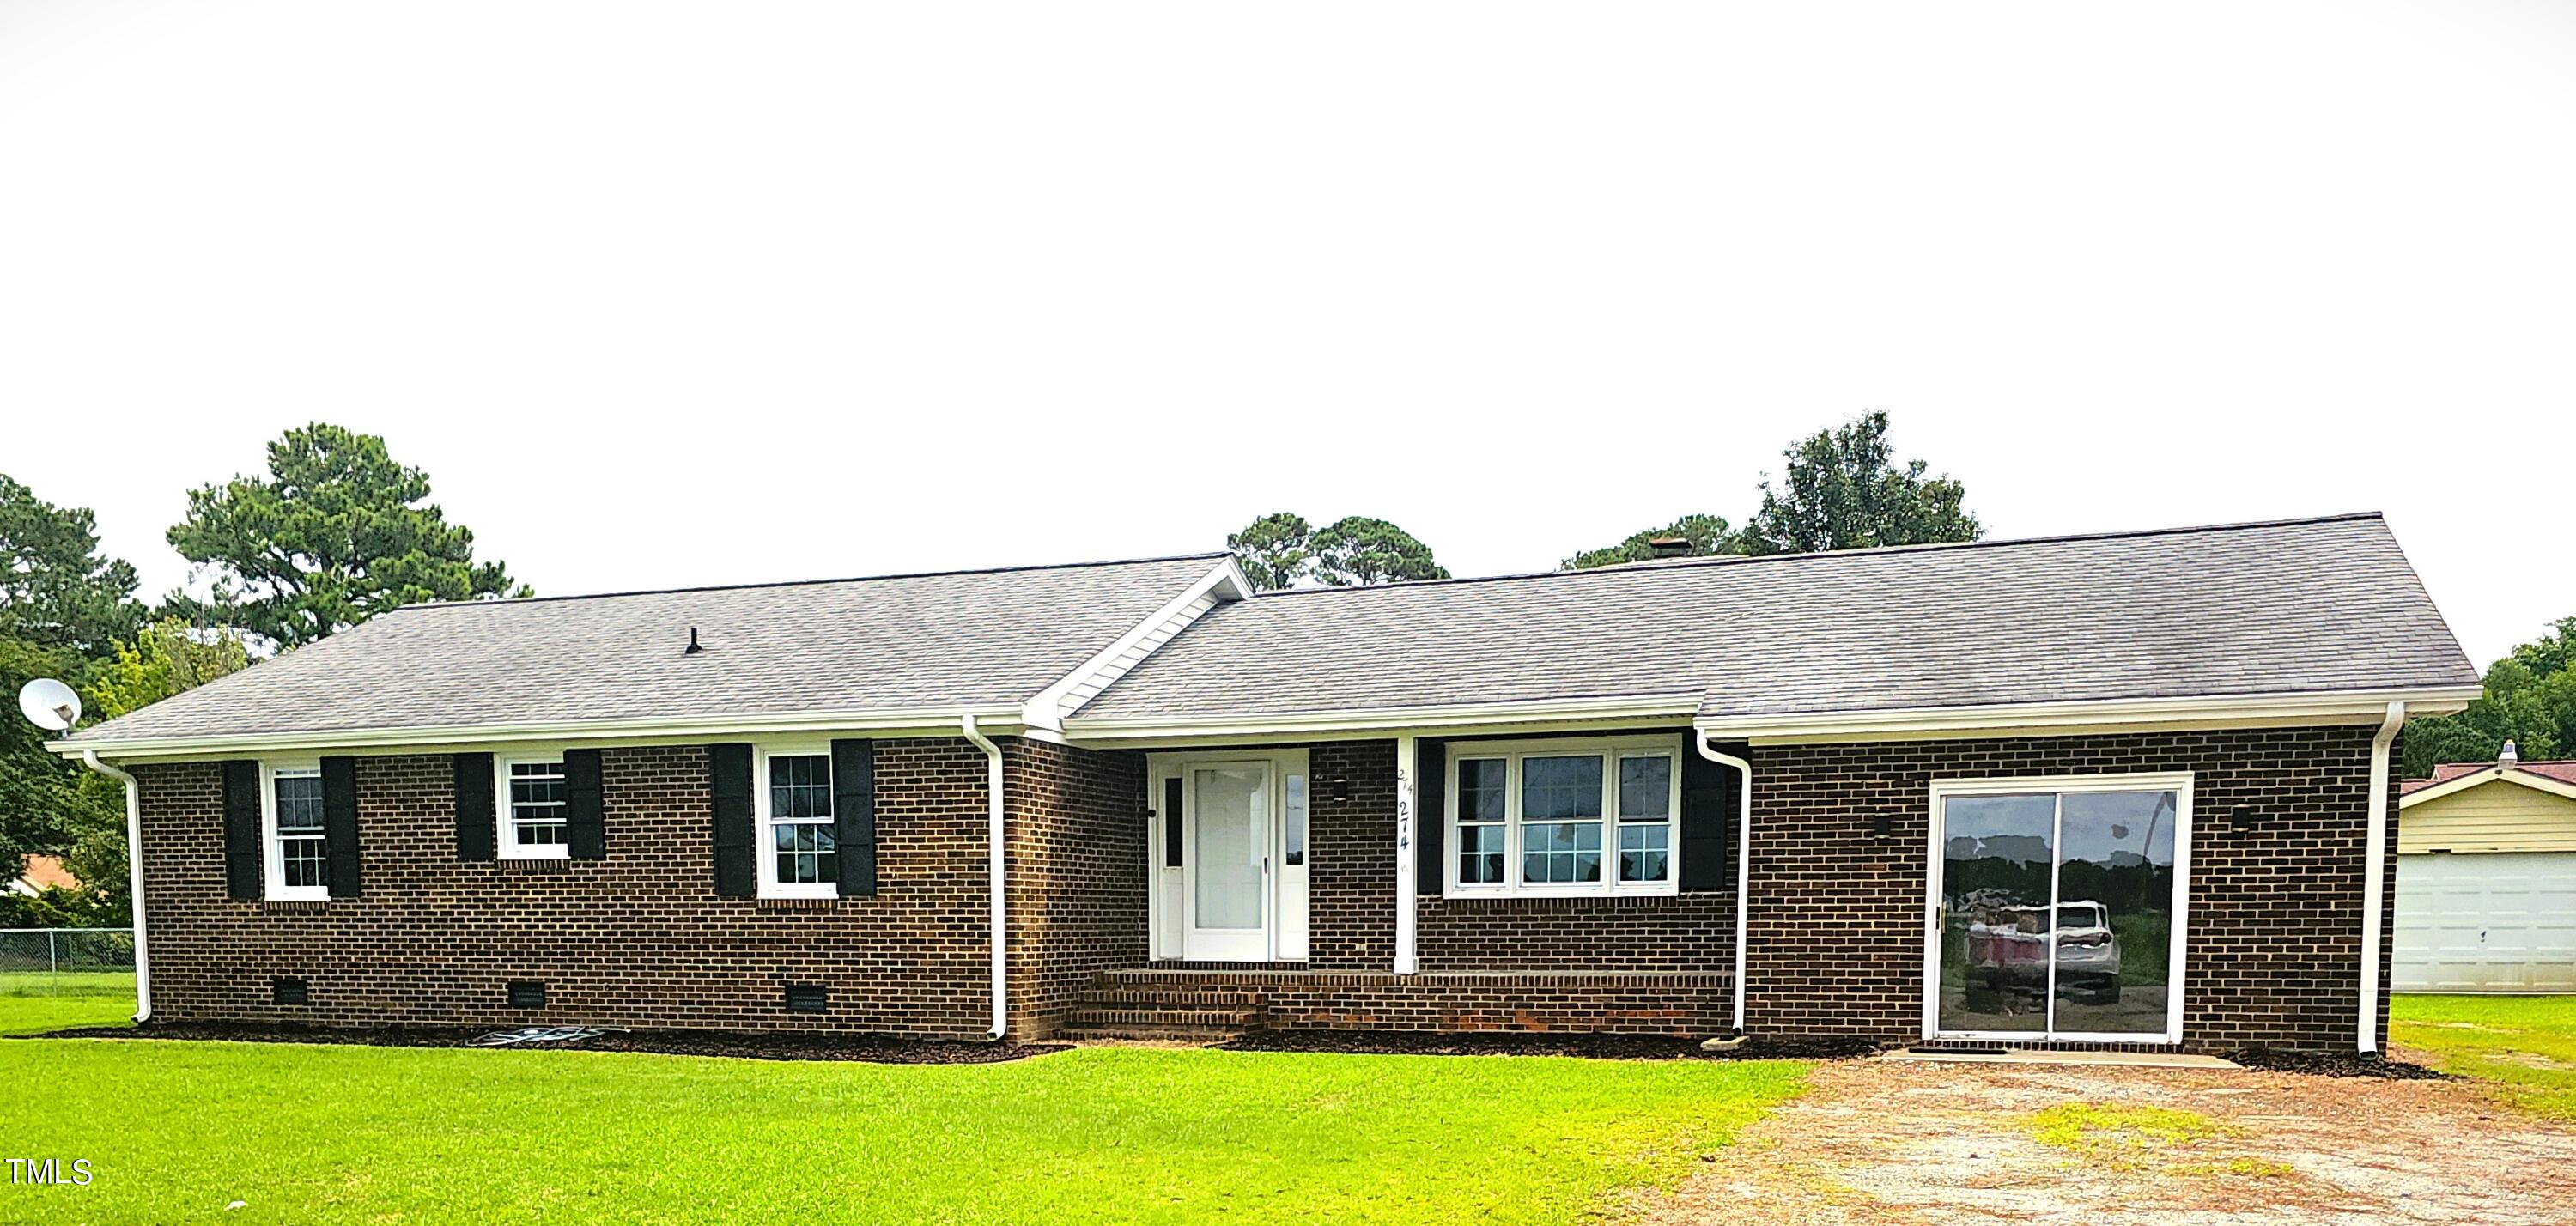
(679, 294)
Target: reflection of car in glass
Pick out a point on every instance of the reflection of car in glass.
(2008, 947)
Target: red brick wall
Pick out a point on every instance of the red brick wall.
(1351, 908)
(1836, 931)
(1836, 938)
(636, 939)
(1350, 856)
(1077, 875)
(639, 938)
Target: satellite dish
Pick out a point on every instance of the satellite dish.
(49, 704)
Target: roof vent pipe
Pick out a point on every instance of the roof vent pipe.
(2508, 756)
(693, 648)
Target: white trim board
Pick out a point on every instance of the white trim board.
(2480, 778)
(660, 730)
(1048, 708)
(1555, 715)
(1380, 722)
(2060, 718)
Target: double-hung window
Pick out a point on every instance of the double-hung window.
(1563, 817)
(533, 807)
(299, 863)
(793, 792)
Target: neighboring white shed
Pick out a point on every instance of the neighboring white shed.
(2486, 878)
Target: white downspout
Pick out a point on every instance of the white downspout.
(1407, 761)
(134, 879)
(1743, 858)
(2374, 886)
(995, 868)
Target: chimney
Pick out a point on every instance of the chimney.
(1670, 546)
(2508, 756)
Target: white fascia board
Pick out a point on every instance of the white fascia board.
(2477, 778)
(931, 721)
(2116, 715)
(1347, 724)
(1047, 708)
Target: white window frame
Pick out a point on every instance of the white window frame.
(765, 839)
(273, 848)
(508, 835)
(1610, 750)
(2176, 965)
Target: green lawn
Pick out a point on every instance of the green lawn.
(37, 1001)
(175, 1130)
(2525, 1045)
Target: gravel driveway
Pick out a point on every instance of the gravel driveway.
(1885, 1142)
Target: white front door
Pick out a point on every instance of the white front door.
(1226, 862)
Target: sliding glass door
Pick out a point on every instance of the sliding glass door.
(2056, 908)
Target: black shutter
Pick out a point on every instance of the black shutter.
(340, 823)
(1431, 816)
(585, 814)
(476, 816)
(854, 816)
(729, 780)
(1708, 818)
(242, 871)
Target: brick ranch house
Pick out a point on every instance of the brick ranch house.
(2123, 789)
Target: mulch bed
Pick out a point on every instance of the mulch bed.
(2339, 1064)
(664, 1042)
(1521, 1043)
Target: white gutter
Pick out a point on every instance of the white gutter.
(1993, 719)
(677, 729)
(994, 868)
(2374, 886)
(2216, 711)
(134, 879)
(1378, 721)
(1743, 858)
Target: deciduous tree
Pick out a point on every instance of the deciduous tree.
(63, 605)
(2530, 700)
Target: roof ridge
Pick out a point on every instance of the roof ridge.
(1739, 559)
(745, 587)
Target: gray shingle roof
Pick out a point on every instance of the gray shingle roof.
(969, 639)
(2310, 605)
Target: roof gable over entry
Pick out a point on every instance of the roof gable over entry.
(2308, 606)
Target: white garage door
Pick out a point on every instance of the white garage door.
(2502, 922)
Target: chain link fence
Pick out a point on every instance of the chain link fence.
(76, 961)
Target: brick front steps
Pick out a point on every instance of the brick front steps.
(1206, 1005)
(1170, 1005)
